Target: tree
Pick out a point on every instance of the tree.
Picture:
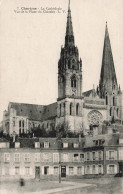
(63, 130)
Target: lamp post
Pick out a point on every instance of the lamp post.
(59, 148)
(59, 169)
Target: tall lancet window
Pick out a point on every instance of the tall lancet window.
(106, 100)
(73, 81)
(60, 109)
(113, 101)
(71, 106)
(117, 112)
(64, 108)
(77, 109)
(110, 111)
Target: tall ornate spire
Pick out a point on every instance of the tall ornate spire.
(108, 80)
(69, 38)
(69, 65)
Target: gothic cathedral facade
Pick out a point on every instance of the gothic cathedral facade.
(80, 109)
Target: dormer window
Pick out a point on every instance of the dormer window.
(46, 144)
(65, 145)
(17, 144)
(75, 145)
(37, 144)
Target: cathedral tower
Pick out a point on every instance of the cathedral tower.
(108, 86)
(69, 78)
(69, 65)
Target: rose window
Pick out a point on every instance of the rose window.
(95, 117)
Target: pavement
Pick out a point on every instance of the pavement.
(71, 186)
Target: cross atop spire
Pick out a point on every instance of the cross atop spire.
(108, 78)
(69, 38)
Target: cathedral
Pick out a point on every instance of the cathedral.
(80, 110)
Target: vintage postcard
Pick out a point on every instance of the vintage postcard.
(61, 103)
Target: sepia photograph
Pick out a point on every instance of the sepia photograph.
(61, 96)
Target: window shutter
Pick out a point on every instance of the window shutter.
(107, 155)
(12, 171)
(101, 155)
(31, 171)
(115, 169)
(82, 170)
(69, 158)
(22, 171)
(115, 156)
(90, 156)
(67, 170)
(42, 170)
(72, 145)
(96, 156)
(51, 170)
(108, 169)
(102, 169)
(85, 156)
(90, 169)
(96, 169)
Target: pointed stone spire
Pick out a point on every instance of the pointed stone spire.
(108, 78)
(69, 38)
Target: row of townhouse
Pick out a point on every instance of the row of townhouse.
(44, 158)
(104, 155)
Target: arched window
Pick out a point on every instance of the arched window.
(69, 64)
(106, 100)
(70, 108)
(60, 109)
(110, 111)
(117, 112)
(19, 123)
(73, 82)
(77, 109)
(113, 101)
(62, 79)
(23, 123)
(64, 108)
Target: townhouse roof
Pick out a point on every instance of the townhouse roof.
(54, 143)
(101, 140)
(3, 140)
(34, 111)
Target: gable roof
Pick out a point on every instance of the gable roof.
(34, 111)
(88, 93)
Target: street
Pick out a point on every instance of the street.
(84, 186)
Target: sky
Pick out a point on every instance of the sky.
(30, 45)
